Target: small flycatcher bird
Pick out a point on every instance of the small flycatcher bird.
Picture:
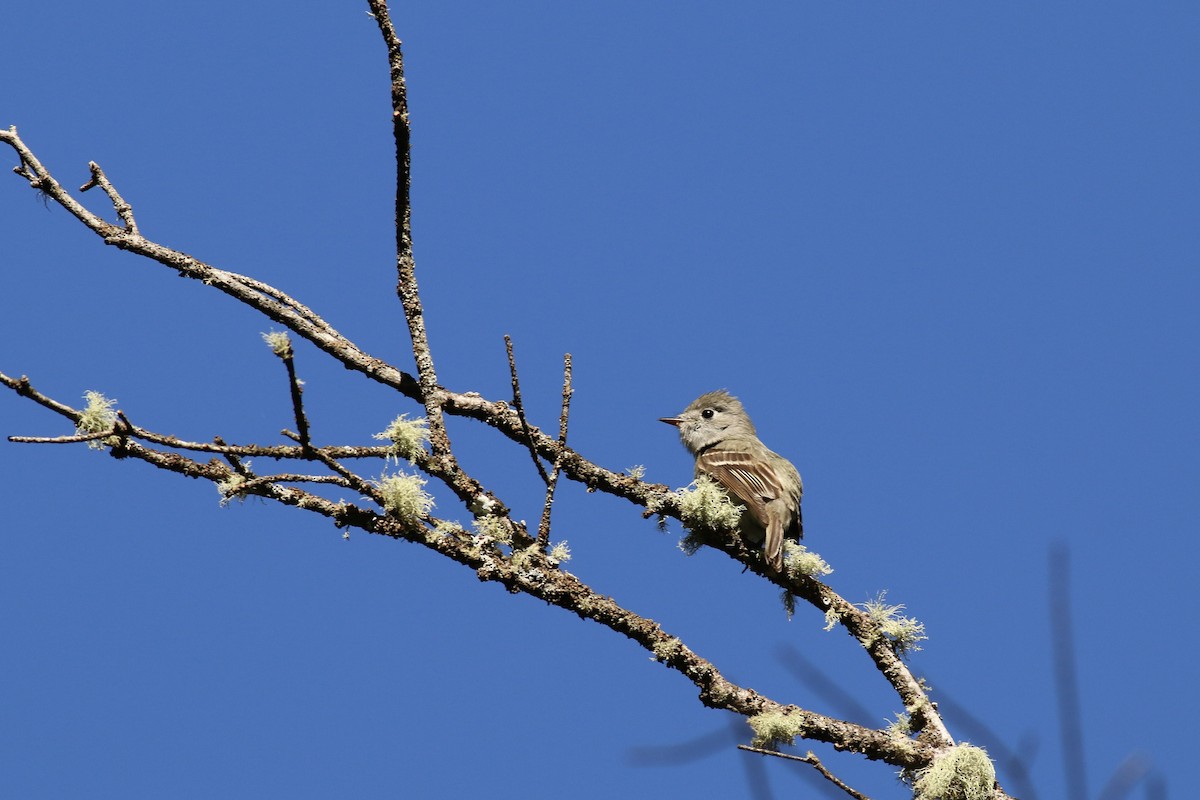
(716, 430)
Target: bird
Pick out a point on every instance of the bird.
(716, 430)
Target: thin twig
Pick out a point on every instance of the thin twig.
(82, 437)
(233, 458)
(272, 303)
(808, 759)
(297, 392)
(293, 477)
(353, 480)
(298, 318)
(123, 209)
(406, 276)
(520, 407)
(552, 483)
(303, 311)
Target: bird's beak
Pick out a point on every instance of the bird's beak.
(676, 421)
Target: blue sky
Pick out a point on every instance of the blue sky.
(945, 254)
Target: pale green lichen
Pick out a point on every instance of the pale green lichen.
(560, 552)
(229, 488)
(404, 496)
(902, 632)
(637, 472)
(802, 561)
(772, 728)
(493, 529)
(963, 772)
(704, 504)
(720, 694)
(98, 417)
(664, 650)
(704, 507)
(279, 342)
(407, 436)
(900, 727)
(522, 558)
(832, 618)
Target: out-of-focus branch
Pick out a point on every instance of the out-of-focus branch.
(1070, 718)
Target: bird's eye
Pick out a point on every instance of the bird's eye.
(707, 413)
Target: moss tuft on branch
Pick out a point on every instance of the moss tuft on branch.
(961, 773)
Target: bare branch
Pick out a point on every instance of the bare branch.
(22, 387)
(406, 277)
(520, 407)
(123, 209)
(297, 392)
(39, 178)
(809, 758)
(285, 310)
(354, 481)
(86, 437)
(293, 477)
(552, 483)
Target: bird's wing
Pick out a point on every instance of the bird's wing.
(749, 479)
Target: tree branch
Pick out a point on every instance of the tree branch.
(519, 405)
(406, 277)
(552, 482)
(808, 758)
(502, 554)
(533, 574)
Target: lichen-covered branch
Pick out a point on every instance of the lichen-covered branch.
(655, 498)
(533, 573)
(497, 548)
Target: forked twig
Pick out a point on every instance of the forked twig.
(123, 209)
(809, 758)
(520, 407)
(552, 483)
